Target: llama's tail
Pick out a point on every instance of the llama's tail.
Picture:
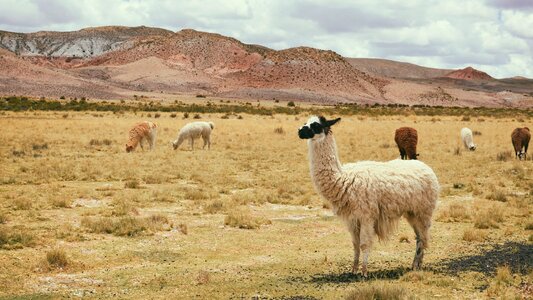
(385, 225)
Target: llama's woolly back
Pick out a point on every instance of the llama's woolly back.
(391, 189)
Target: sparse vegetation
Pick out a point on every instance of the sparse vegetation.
(279, 130)
(474, 235)
(16, 238)
(77, 197)
(242, 218)
(504, 156)
(488, 219)
(378, 290)
(498, 195)
(57, 259)
(132, 184)
(126, 226)
(454, 213)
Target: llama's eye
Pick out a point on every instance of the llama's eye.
(317, 128)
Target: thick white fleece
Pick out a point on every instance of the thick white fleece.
(467, 138)
(193, 131)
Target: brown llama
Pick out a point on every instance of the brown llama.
(406, 138)
(520, 138)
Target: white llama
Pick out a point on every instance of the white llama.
(371, 196)
(193, 131)
(468, 139)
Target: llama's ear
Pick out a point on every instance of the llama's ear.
(330, 123)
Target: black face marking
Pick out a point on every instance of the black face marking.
(323, 126)
(305, 133)
(317, 127)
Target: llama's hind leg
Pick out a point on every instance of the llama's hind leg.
(421, 229)
(151, 140)
(205, 142)
(366, 239)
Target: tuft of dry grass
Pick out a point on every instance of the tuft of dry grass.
(16, 238)
(214, 207)
(57, 259)
(96, 142)
(37, 147)
(61, 202)
(132, 184)
(529, 226)
(504, 156)
(455, 212)
(241, 218)
(183, 228)
(474, 235)
(3, 217)
(22, 203)
(498, 195)
(503, 285)
(457, 151)
(123, 207)
(279, 130)
(378, 290)
(489, 218)
(127, 226)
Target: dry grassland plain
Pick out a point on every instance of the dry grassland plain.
(81, 217)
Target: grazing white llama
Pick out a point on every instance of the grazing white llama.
(193, 131)
(371, 196)
(468, 139)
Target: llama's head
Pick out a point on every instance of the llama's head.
(472, 148)
(316, 128)
(174, 145)
(526, 128)
(129, 148)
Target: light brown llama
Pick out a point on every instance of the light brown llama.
(142, 131)
(520, 138)
(406, 138)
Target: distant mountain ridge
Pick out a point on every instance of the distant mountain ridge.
(391, 68)
(116, 62)
(88, 42)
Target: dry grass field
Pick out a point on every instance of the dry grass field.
(81, 217)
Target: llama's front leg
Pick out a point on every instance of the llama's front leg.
(141, 142)
(151, 141)
(192, 143)
(366, 239)
(356, 248)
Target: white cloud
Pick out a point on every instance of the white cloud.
(493, 35)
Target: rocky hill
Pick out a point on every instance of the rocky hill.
(118, 62)
(89, 42)
(396, 69)
(469, 73)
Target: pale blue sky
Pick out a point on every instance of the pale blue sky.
(491, 35)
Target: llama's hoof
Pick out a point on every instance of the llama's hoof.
(355, 268)
(364, 272)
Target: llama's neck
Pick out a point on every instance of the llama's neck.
(325, 167)
(134, 141)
